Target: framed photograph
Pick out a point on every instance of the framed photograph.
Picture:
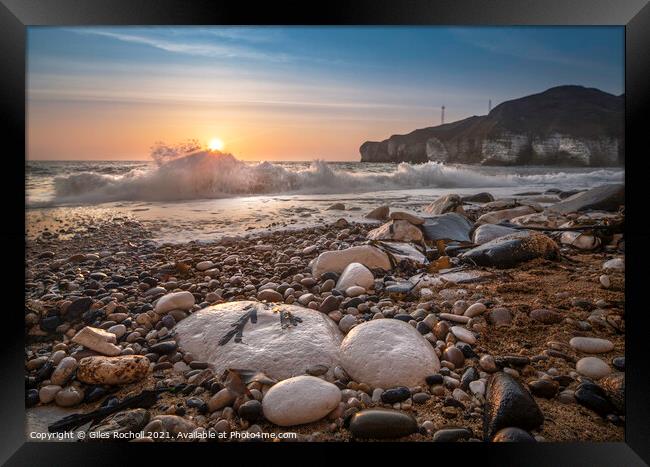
(369, 225)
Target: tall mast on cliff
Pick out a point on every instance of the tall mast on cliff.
(442, 116)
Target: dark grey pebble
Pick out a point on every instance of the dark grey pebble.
(451, 435)
(543, 388)
(399, 394)
(508, 404)
(163, 347)
(382, 424)
(434, 379)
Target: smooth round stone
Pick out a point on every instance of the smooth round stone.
(382, 424)
(269, 295)
(463, 334)
(420, 397)
(390, 396)
(475, 310)
(300, 400)
(454, 355)
(591, 345)
(619, 363)
(488, 363)
(266, 345)
(355, 291)
(567, 396)
(347, 322)
(593, 368)
(355, 274)
(545, 316)
(477, 387)
(119, 330)
(513, 435)
(47, 393)
(604, 281)
(174, 301)
(543, 388)
(204, 265)
(388, 353)
(250, 410)
(330, 303)
(68, 397)
(616, 264)
(64, 371)
(451, 435)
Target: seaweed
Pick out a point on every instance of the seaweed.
(288, 319)
(145, 399)
(237, 330)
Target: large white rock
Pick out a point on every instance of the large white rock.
(495, 217)
(265, 345)
(337, 260)
(355, 274)
(386, 353)
(299, 400)
(397, 230)
(174, 301)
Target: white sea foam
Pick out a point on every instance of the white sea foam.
(204, 175)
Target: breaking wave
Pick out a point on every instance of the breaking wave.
(201, 175)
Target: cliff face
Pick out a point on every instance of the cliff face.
(565, 125)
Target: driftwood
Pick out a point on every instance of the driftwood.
(145, 399)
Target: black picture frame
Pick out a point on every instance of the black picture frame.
(634, 15)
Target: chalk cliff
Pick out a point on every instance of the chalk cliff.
(564, 125)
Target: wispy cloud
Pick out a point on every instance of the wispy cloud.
(210, 49)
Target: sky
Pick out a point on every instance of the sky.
(288, 93)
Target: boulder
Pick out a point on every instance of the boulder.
(174, 301)
(96, 339)
(510, 250)
(299, 400)
(604, 198)
(380, 213)
(444, 204)
(387, 353)
(112, 370)
(280, 340)
(396, 230)
(449, 227)
(495, 217)
(337, 260)
(355, 274)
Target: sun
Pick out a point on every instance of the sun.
(215, 144)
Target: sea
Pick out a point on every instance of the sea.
(206, 196)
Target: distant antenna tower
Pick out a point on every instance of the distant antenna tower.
(489, 105)
(442, 116)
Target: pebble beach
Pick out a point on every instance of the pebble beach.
(468, 318)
